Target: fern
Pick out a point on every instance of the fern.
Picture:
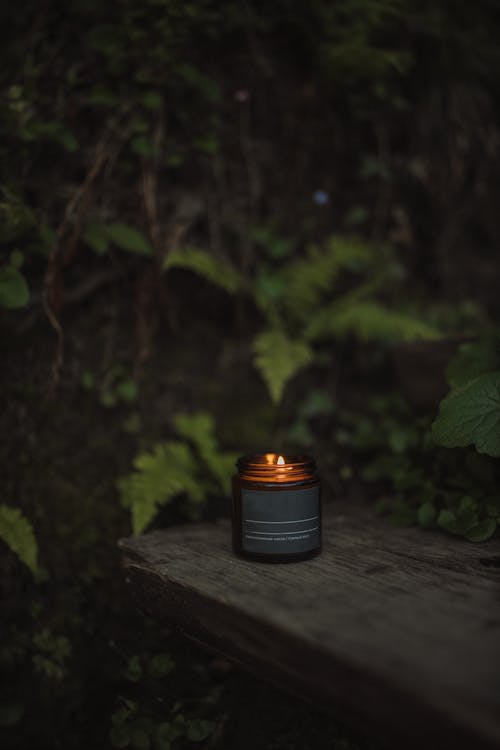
(310, 277)
(160, 475)
(199, 261)
(200, 430)
(17, 532)
(367, 320)
(172, 468)
(278, 359)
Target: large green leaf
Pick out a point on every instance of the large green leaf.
(17, 532)
(204, 264)
(471, 414)
(160, 475)
(368, 321)
(128, 239)
(278, 358)
(14, 292)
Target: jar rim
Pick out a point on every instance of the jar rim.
(264, 467)
(261, 460)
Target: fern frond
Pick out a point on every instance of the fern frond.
(200, 430)
(204, 264)
(368, 321)
(278, 358)
(160, 475)
(310, 277)
(17, 532)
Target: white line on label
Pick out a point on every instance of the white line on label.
(281, 533)
(299, 520)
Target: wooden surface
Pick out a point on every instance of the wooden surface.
(397, 630)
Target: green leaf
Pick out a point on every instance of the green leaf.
(207, 144)
(96, 236)
(108, 399)
(278, 358)
(458, 522)
(152, 100)
(369, 321)
(143, 146)
(161, 665)
(17, 532)
(129, 239)
(127, 390)
(14, 292)
(204, 264)
(199, 729)
(87, 381)
(427, 514)
(134, 671)
(200, 429)
(160, 475)
(471, 414)
(482, 531)
(269, 287)
(473, 359)
(277, 247)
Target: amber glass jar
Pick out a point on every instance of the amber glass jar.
(276, 508)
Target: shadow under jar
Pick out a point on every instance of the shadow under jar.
(276, 508)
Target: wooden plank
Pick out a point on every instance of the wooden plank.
(397, 629)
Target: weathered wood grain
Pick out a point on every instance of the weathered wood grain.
(398, 630)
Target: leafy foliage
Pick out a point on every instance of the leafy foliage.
(305, 293)
(52, 653)
(17, 532)
(199, 429)
(14, 291)
(471, 415)
(160, 475)
(205, 265)
(116, 386)
(172, 469)
(309, 278)
(429, 487)
(464, 520)
(129, 239)
(278, 358)
(368, 321)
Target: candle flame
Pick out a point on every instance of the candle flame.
(280, 461)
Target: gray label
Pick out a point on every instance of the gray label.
(285, 521)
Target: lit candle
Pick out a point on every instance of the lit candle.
(276, 508)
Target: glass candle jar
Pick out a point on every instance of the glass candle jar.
(276, 508)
